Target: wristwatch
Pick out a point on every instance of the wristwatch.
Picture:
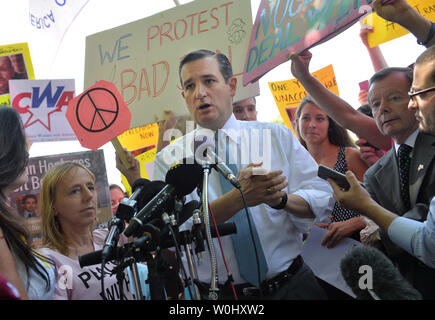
(429, 36)
(282, 204)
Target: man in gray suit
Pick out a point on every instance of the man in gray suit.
(417, 238)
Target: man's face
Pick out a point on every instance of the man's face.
(30, 205)
(116, 197)
(389, 99)
(424, 104)
(208, 97)
(245, 110)
(6, 73)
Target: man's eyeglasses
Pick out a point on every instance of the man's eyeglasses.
(412, 95)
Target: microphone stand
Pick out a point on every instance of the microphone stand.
(213, 290)
(187, 237)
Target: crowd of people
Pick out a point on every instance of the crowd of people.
(391, 177)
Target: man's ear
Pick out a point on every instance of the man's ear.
(232, 82)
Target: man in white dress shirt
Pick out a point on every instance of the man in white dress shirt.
(283, 200)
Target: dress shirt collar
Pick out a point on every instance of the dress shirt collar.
(410, 141)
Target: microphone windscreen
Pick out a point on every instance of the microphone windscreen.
(184, 177)
(366, 268)
(141, 182)
(148, 192)
(187, 211)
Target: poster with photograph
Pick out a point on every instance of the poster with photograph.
(15, 63)
(27, 199)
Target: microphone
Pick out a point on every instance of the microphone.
(116, 226)
(127, 206)
(203, 152)
(181, 179)
(371, 275)
(125, 211)
(222, 168)
(133, 248)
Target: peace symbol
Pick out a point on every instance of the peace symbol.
(105, 111)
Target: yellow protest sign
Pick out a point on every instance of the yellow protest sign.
(384, 30)
(144, 159)
(288, 94)
(138, 138)
(15, 63)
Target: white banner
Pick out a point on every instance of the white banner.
(49, 21)
(142, 57)
(42, 105)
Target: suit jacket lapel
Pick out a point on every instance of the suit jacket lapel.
(388, 179)
(423, 153)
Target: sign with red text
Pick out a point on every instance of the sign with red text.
(142, 57)
(284, 26)
(98, 115)
(289, 94)
(42, 105)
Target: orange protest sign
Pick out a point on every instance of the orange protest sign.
(98, 115)
(288, 94)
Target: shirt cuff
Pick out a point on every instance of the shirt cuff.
(402, 230)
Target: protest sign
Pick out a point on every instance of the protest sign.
(48, 22)
(142, 57)
(288, 94)
(141, 137)
(42, 105)
(146, 161)
(98, 115)
(293, 26)
(38, 167)
(384, 30)
(15, 63)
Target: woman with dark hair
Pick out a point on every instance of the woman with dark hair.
(330, 145)
(26, 269)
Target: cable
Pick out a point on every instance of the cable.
(103, 294)
(223, 255)
(178, 252)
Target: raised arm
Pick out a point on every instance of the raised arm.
(401, 12)
(334, 106)
(375, 53)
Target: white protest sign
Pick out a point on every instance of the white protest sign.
(42, 105)
(49, 20)
(142, 57)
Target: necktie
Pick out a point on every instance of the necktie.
(242, 240)
(404, 161)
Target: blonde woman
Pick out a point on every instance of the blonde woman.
(69, 206)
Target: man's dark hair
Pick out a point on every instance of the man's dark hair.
(427, 56)
(28, 196)
(224, 64)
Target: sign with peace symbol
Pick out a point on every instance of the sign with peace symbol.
(98, 115)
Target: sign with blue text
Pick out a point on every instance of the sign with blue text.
(142, 57)
(284, 26)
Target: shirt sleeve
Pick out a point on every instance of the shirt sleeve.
(417, 238)
(304, 182)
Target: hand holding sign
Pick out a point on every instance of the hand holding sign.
(98, 115)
